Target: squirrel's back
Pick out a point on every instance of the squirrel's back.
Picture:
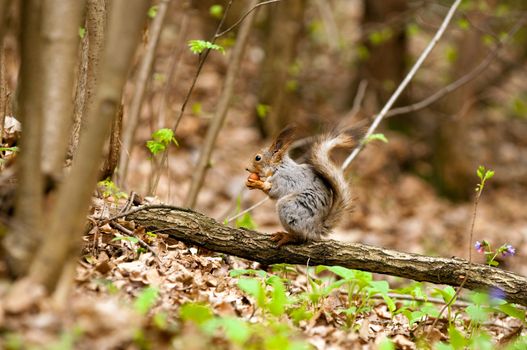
(332, 175)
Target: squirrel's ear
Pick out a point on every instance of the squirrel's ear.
(283, 140)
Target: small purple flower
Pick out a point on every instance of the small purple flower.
(509, 250)
(480, 247)
(497, 293)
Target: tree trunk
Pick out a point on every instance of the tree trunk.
(285, 26)
(126, 19)
(221, 108)
(60, 24)
(92, 45)
(454, 163)
(23, 238)
(143, 75)
(384, 64)
(194, 228)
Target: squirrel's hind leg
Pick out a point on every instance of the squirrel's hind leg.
(283, 238)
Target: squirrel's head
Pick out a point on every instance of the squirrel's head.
(268, 159)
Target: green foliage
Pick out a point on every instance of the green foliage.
(463, 23)
(246, 220)
(216, 11)
(412, 29)
(379, 37)
(197, 108)
(146, 300)
(152, 11)
(484, 175)
(196, 313)
(198, 46)
(451, 53)
(519, 107)
(160, 140)
(126, 238)
(82, 32)
(9, 149)
(362, 53)
(375, 137)
(262, 110)
(110, 189)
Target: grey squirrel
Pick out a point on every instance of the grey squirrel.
(311, 197)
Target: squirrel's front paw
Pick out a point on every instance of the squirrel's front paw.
(252, 184)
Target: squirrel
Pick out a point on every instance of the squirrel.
(311, 197)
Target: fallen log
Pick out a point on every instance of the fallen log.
(197, 229)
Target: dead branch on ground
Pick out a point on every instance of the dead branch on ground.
(197, 229)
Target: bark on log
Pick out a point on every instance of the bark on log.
(194, 228)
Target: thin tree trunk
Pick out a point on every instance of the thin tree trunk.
(194, 228)
(285, 24)
(221, 108)
(60, 24)
(91, 50)
(126, 19)
(139, 90)
(3, 91)
(22, 239)
(4, 6)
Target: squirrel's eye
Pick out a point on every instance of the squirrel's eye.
(258, 158)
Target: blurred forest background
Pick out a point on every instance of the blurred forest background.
(308, 62)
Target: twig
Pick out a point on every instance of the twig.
(332, 33)
(173, 72)
(140, 241)
(473, 74)
(232, 218)
(202, 58)
(139, 89)
(405, 82)
(217, 35)
(221, 109)
(357, 101)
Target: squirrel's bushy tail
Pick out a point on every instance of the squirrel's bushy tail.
(333, 175)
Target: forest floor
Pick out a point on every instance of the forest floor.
(126, 296)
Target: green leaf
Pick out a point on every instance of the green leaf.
(146, 300)
(196, 108)
(250, 272)
(386, 344)
(236, 330)
(512, 311)
(160, 320)
(152, 11)
(457, 340)
(451, 54)
(216, 11)
(254, 288)
(477, 313)
(198, 46)
(278, 296)
(82, 32)
(463, 23)
(126, 238)
(9, 149)
(196, 313)
(343, 272)
(374, 137)
(412, 29)
(479, 298)
(245, 221)
(262, 110)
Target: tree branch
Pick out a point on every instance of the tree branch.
(197, 229)
(405, 82)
